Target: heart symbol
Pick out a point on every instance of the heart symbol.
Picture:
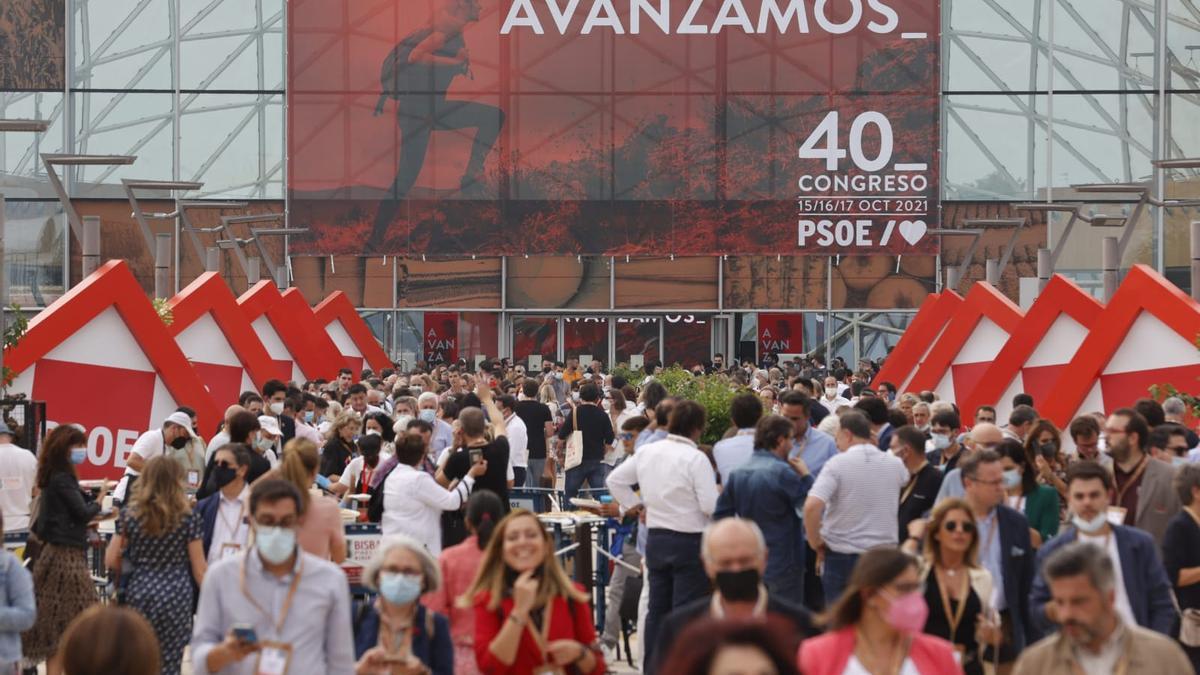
(912, 231)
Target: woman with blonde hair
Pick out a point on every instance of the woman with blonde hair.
(958, 589)
(321, 532)
(339, 446)
(528, 613)
(160, 536)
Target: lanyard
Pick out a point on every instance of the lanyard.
(954, 618)
(237, 524)
(912, 483)
(542, 636)
(1137, 473)
(364, 478)
(287, 603)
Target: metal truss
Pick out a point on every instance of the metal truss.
(134, 53)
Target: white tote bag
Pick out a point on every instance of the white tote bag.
(574, 443)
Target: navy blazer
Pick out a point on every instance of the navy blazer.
(436, 651)
(1017, 556)
(1146, 583)
(207, 508)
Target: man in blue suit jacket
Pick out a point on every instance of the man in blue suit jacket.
(1143, 591)
(1005, 549)
(229, 503)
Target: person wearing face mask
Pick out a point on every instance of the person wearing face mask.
(1142, 485)
(943, 446)
(529, 616)
(274, 395)
(443, 433)
(396, 629)
(1143, 592)
(981, 437)
(270, 439)
(356, 479)
(1168, 443)
(304, 420)
(921, 416)
(293, 604)
(1044, 445)
(1039, 503)
(62, 581)
(224, 515)
(876, 624)
(831, 397)
(175, 433)
(735, 559)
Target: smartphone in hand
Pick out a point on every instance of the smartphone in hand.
(245, 633)
(476, 455)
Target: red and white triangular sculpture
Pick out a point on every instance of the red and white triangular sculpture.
(351, 335)
(1038, 350)
(979, 329)
(285, 325)
(214, 334)
(927, 326)
(101, 357)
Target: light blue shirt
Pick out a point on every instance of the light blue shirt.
(733, 452)
(818, 448)
(317, 624)
(990, 555)
(952, 486)
(442, 438)
(644, 438)
(18, 612)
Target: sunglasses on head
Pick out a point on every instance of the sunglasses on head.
(953, 525)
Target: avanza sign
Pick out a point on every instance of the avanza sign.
(614, 127)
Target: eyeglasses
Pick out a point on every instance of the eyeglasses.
(953, 525)
(625, 436)
(1109, 431)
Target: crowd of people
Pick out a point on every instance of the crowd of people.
(839, 526)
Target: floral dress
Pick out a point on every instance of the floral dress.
(160, 582)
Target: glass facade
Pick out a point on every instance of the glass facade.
(1038, 97)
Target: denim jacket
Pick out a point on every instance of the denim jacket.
(17, 609)
(768, 491)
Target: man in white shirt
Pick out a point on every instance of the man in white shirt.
(853, 505)
(176, 432)
(413, 501)
(730, 453)
(18, 470)
(223, 514)
(832, 398)
(221, 439)
(518, 438)
(679, 489)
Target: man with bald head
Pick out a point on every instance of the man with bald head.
(983, 436)
(734, 554)
(222, 438)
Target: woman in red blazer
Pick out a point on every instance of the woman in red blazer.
(529, 616)
(875, 627)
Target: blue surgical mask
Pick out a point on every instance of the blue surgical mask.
(274, 544)
(322, 482)
(1179, 461)
(309, 416)
(428, 414)
(1012, 478)
(399, 589)
(78, 455)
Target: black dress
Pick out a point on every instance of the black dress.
(1181, 549)
(939, 624)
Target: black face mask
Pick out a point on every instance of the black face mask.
(223, 475)
(180, 443)
(1048, 450)
(740, 586)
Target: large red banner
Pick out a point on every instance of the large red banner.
(780, 333)
(451, 127)
(441, 337)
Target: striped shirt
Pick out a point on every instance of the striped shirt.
(861, 490)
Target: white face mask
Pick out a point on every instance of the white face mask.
(277, 408)
(941, 441)
(1090, 526)
(831, 392)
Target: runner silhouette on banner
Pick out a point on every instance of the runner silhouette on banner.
(417, 74)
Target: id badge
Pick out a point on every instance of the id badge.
(273, 658)
(1116, 515)
(193, 479)
(230, 550)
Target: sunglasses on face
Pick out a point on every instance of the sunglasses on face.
(625, 436)
(954, 525)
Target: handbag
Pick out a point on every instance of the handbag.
(1189, 630)
(33, 542)
(574, 444)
